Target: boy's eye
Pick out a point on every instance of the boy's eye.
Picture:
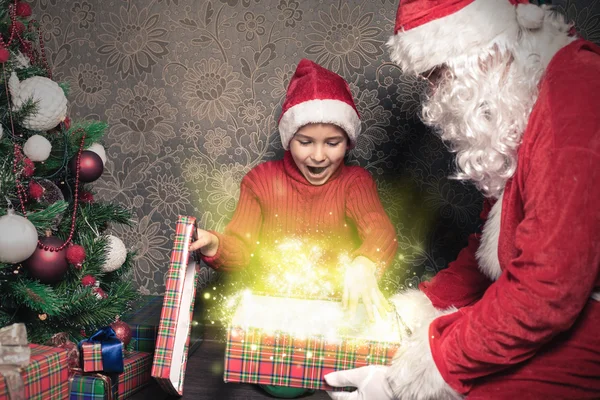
(333, 144)
(304, 142)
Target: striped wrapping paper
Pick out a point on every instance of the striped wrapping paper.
(94, 386)
(46, 376)
(170, 356)
(252, 356)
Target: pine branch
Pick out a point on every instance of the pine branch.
(45, 219)
(94, 131)
(37, 296)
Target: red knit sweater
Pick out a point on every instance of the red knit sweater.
(276, 201)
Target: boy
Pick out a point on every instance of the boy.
(311, 193)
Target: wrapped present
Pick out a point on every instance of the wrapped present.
(145, 318)
(45, 377)
(102, 352)
(177, 315)
(295, 342)
(91, 386)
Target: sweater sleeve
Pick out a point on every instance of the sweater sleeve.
(544, 288)
(238, 241)
(377, 234)
(462, 283)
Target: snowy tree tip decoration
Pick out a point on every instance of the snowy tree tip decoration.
(116, 254)
(18, 238)
(49, 97)
(98, 149)
(37, 148)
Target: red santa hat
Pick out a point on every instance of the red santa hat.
(317, 95)
(429, 33)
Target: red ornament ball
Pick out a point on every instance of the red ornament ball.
(28, 168)
(100, 294)
(88, 280)
(75, 254)
(4, 55)
(36, 191)
(47, 264)
(18, 26)
(23, 9)
(91, 166)
(123, 332)
(86, 197)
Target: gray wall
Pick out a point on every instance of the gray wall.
(192, 91)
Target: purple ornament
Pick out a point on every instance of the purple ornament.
(45, 265)
(91, 166)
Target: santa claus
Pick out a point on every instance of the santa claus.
(515, 95)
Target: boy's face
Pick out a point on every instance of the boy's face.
(318, 150)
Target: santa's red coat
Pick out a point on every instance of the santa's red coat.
(534, 332)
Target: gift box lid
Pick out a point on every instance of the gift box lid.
(176, 320)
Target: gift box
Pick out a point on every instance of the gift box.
(136, 375)
(45, 377)
(145, 318)
(102, 352)
(296, 342)
(177, 315)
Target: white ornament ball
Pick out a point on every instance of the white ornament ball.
(49, 97)
(18, 238)
(37, 148)
(116, 254)
(98, 149)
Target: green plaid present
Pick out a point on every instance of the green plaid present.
(145, 318)
(135, 376)
(93, 386)
(46, 376)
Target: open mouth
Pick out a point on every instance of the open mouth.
(316, 170)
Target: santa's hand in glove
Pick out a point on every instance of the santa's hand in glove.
(369, 381)
(360, 282)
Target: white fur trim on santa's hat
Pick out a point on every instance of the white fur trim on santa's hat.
(413, 373)
(477, 26)
(325, 111)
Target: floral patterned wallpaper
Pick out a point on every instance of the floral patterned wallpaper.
(192, 91)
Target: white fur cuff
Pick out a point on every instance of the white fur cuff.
(413, 374)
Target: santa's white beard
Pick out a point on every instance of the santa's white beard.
(481, 109)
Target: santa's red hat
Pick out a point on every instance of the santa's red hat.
(317, 95)
(429, 33)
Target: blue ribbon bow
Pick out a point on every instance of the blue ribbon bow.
(112, 349)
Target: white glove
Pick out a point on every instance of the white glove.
(369, 381)
(360, 282)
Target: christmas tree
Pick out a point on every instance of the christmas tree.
(59, 271)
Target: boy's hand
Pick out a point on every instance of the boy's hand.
(360, 282)
(206, 242)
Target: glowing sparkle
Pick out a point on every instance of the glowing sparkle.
(253, 347)
(207, 295)
(309, 354)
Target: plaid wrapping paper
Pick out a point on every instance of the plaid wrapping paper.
(172, 307)
(144, 321)
(91, 356)
(92, 387)
(252, 356)
(46, 377)
(135, 376)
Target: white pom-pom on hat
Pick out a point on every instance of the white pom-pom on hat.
(530, 16)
